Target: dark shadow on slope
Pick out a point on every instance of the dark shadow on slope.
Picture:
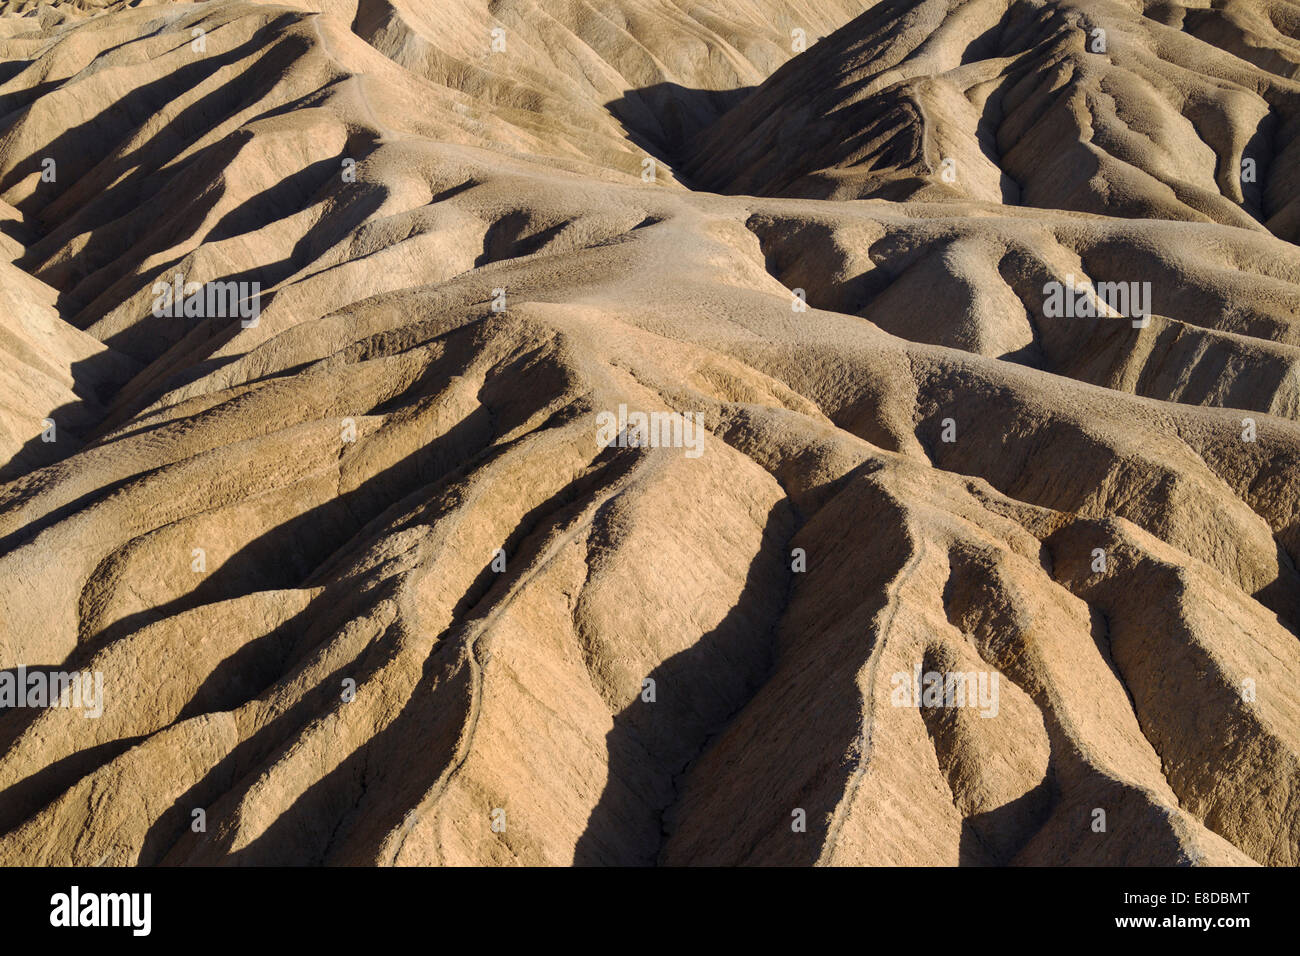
(994, 837)
(295, 192)
(340, 812)
(663, 118)
(986, 134)
(135, 109)
(69, 419)
(283, 557)
(509, 238)
(180, 350)
(94, 379)
(698, 692)
(172, 830)
(20, 801)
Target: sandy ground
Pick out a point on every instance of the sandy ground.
(547, 432)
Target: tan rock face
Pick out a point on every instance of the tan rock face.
(776, 432)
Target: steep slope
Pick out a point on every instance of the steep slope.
(1120, 109)
(364, 582)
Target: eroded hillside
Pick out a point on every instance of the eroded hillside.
(363, 582)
